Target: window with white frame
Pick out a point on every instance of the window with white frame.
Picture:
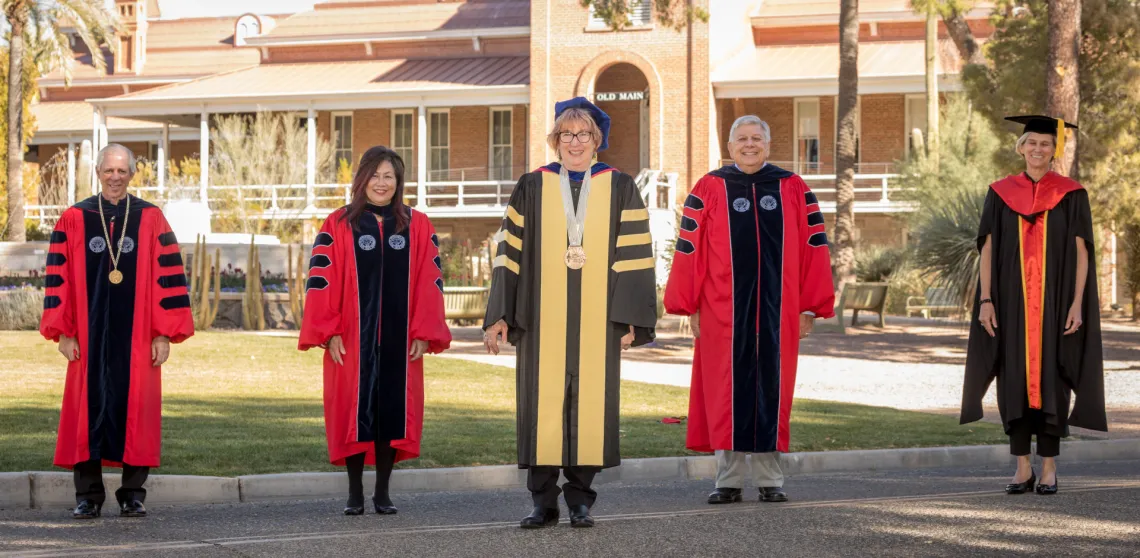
(439, 145)
(915, 119)
(403, 124)
(807, 135)
(640, 15)
(342, 138)
(858, 127)
(501, 148)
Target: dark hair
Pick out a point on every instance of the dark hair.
(369, 162)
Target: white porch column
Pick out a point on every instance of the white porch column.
(95, 151)
(422, 159)
(204, 157)
(71, 173)
(104, 137)
(163, 143)
(311, 162)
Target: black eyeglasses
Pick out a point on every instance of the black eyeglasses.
(567, 137)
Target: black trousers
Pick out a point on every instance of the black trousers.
(385, 460)
(543, 485)
(1022, 430)
(89, 483)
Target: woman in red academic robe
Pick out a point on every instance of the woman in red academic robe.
(374, 302)
(1038, 282)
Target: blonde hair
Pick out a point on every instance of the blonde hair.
(1024, 138)
(574, 115)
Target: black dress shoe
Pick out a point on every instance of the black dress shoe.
(580, 516)
(1022, 487)
(1047, 489)
(353, 510)
(87, 509)
(725, 496)
(384, 509)
(773, 494)
(132, 508)
(539, 518)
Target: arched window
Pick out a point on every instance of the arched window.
(247, 26)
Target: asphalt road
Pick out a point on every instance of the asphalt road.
(949, 512)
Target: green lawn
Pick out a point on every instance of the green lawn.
(238, 404)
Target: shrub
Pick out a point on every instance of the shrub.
(21, 309)
(878, 263)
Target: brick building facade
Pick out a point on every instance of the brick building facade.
(465, 91)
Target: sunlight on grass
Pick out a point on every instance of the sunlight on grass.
(235, 403)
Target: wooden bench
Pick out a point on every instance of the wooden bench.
(861, 296)
(465, 303)
(937, 299)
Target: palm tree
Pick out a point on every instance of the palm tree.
(38, 24)
(845, 142)
(1062, 94)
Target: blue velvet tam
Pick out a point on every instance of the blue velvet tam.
(600, 117)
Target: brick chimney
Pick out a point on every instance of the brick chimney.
(132, 37)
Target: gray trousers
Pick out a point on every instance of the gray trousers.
(732, 469)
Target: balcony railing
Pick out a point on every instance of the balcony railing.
(469, 193)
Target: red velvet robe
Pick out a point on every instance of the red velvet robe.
(112, 401)
(751, 256)
(379, 289)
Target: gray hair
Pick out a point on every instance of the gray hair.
(751, 120)
(110, 146)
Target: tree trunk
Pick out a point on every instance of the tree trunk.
(932, 88)
(963, 38)
(845, 143)
(17, 17)
(1062, 94)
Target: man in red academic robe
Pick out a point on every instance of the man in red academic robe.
(115, 300)
(752, 270)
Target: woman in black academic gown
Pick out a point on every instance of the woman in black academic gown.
(1038, 283)
(374, 302)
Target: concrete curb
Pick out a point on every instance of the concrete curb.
(54, 489)
(50, 489)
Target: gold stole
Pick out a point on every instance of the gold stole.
(593, 332)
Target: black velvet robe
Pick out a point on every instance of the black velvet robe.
(1034, 229)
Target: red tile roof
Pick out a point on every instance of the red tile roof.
(326, 78)
(378, 18)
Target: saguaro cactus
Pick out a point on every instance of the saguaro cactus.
(296, 279)
(253, 306)
(205, 310)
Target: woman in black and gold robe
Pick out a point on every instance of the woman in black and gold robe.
(1037, 321)
(571, 300)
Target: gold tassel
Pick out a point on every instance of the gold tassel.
(1060, 152)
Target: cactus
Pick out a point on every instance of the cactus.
(296, 279)
(253, 307)
(83, 174)
(205, 311)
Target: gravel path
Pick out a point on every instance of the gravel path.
(911, 366)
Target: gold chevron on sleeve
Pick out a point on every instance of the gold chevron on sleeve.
(634, 215)
(514, 216)
(633, 239)
(634, 265)
(504, 261)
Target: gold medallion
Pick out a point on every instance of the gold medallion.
(115, 276)
(575, 257)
